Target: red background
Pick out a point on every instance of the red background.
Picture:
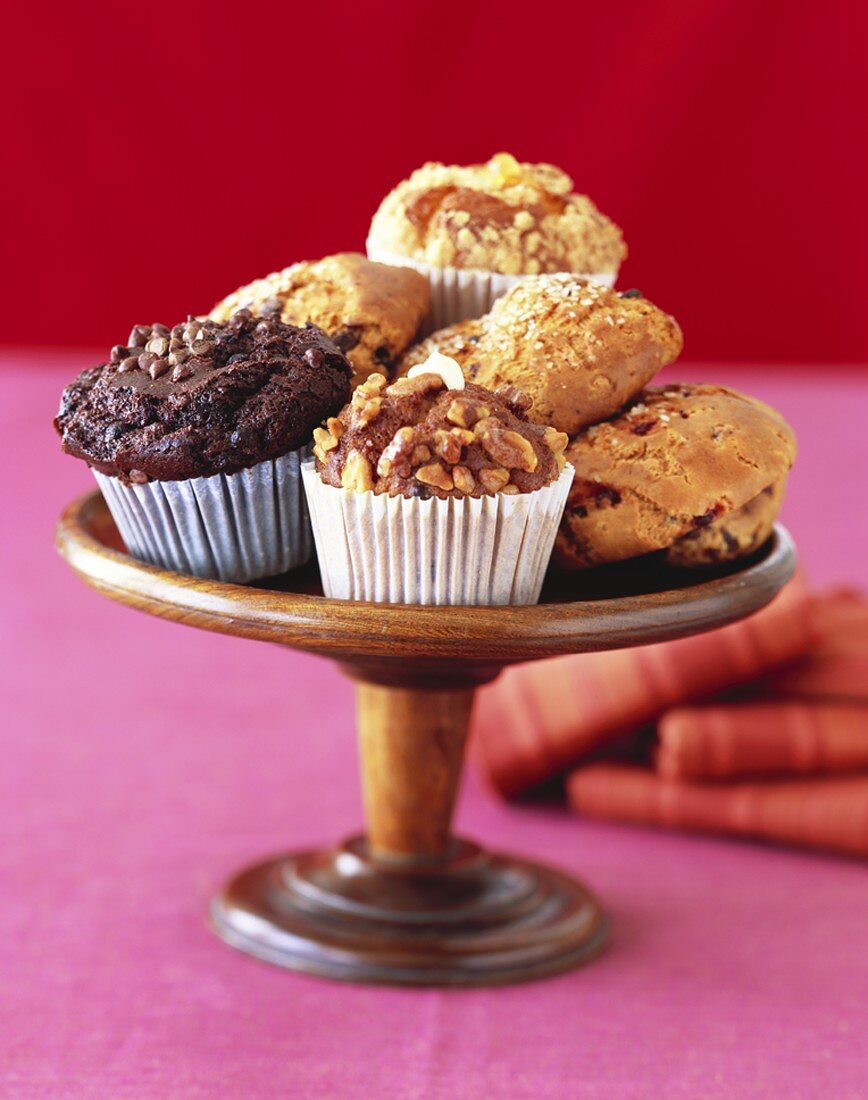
(159, 155)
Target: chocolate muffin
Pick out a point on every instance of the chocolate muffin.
(371, 311)
(672, 464)
(432, 491)
(202, 398)
(196, 435)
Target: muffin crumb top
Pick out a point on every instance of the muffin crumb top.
(504, 216)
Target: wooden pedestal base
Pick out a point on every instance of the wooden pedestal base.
(408, 904)
(470, 919)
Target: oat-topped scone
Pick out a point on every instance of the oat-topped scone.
(476, 230)
(504, 216)
(580, 350)
(677, 460)
(371, 311)
(432, 491)
(196, 436)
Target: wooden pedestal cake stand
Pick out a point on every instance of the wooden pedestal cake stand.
(407, 903)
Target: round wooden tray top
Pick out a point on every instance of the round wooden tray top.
(407, 903)
(605, 608)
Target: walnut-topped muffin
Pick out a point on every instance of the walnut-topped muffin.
(580, 350)
(418, 438)
(672, 464)
(371, 311)
(433, 491)
(503, 216)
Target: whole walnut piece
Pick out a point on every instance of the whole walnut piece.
(416, 438)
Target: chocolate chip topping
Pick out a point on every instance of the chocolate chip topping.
(416, 438)
(203, 398)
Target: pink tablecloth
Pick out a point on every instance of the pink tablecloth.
(143, 762)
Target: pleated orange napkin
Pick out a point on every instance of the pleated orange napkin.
(747, 740)
(539, 718)
(830, 813)
(783, 757)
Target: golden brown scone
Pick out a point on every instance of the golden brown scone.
(371, 311)
(501, 216)
(735, 535)
(580, 350)
(679, 458)
(459, 341)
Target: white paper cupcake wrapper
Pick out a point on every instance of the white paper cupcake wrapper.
(462, 550)
(229, 527)
(458, 293)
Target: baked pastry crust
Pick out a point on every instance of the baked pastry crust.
(679, 458)
(459, 341)
(371, 311)
(580, 350)
(501, 216)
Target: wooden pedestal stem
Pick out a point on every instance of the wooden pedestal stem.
(411, 743)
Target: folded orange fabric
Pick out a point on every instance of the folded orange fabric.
(837, 666)
(829, 813)
(744, 740)
(541, 717)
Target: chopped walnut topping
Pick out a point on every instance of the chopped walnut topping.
(356, 473)
(448, 446)
(420, 454)
(327, 438)
(436, 475)
(397, 454)
(464, 480)
(373, 386)
(555, 440)
(419, 383)
(517, 399)
(493, 480)
(507, 447)
(510, 490)
(465, 412)
(368, 410)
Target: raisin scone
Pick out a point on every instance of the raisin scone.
(371, 311)
(735, 535)
(580, 350)
(678, 459)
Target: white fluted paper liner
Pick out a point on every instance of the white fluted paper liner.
(462, 550)
(459, 293)
(229, 527)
